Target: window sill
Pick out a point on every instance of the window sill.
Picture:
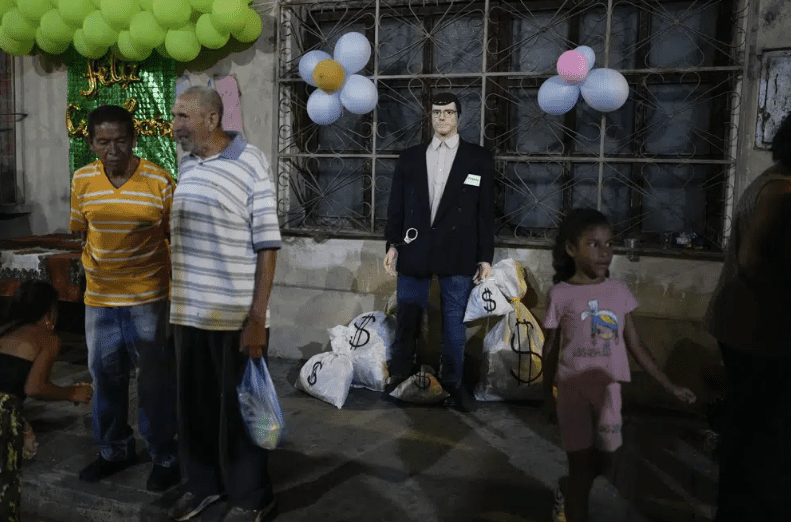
(13, 210)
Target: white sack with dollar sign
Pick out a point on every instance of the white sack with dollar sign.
(421, 388)
(512, 368)
(486, 300)
(509, 276)
(368, 340)
(327, 376)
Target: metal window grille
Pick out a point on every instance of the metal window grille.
(7, 132)
(662, 164)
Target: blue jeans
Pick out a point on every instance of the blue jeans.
(119, 338)
(455, 290)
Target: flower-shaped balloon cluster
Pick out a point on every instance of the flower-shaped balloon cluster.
(603, 89)
(338, 85)
(131, 28)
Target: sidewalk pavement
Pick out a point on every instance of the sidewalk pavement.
(376, 461)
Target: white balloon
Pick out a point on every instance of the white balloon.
(556, 96)
(589, 54)
(308, 62)
(605, 90)
(352, 51)
(359, 95)
(324, 108)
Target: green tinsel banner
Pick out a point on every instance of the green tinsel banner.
(145, 88)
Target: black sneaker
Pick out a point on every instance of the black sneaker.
(266, 514)
(190, 505)
(103, 468)
(460, 398)
(163, 478)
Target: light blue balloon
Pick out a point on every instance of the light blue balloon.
(589, 54)
(308, 62)
(352, 51)
(605, 90)
(324, 108)
(359, 95)
(556, 96)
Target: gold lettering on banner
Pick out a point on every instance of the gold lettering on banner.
(154, 126)
(107, 72)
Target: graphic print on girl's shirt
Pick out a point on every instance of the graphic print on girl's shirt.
(604, 327)
(590, 319)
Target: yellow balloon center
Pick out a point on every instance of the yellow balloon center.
(328, 75)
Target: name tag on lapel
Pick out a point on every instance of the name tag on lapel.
(473, 180)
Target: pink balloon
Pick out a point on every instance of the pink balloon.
(573, 66)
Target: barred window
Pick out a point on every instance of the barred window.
(661, 165)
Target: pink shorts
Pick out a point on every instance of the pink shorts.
(586, 403)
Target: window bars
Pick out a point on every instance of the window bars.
(659, 167)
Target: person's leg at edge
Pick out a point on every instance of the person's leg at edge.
(109, 365)
(198, 402)
(144, 332)
(246, 475)
(455, 291)
(412, 299)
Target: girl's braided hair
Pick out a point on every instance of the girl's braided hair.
(571, 228)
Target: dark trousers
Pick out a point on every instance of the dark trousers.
(412, 298)
(755, 444)
(215, 450)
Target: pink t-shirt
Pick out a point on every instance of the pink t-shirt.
(591, 319)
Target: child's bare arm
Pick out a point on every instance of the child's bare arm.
(549, 359)
(644, 359)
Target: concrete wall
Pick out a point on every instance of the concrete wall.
(320, 285)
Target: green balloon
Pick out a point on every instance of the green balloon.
(119, 13)
(163, 52)
(17, 27)
(6, 5)
(49, 46)
(182, 45)
(75, 11)
(54, 28)
(145, 31)
(172, 14)
(228, 14)
(147, 5)
(14, 47)
(252, 27)
(33, 10)
(129, 50)
(97, 4)
(208, 35)
(98, 32)
(202, 6)
(92, 52)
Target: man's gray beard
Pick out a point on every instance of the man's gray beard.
(186, 144)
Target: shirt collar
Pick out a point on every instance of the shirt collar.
(452, 143)
(234, 149)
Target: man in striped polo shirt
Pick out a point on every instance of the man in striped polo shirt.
(225, 242)
(120, 205)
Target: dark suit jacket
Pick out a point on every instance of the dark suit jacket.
(462, 234)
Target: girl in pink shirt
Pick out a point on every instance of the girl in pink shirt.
(589, 330)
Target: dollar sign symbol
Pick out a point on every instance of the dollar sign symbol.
(516, 335)
(422, 380)
(355, 342)
(488, 303)
(312, 377)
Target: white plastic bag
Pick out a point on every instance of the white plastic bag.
(259, 405)
(512, 365)
(509, 276)
(367, 340)
(486, 300)
(421, 388)
(327, 376)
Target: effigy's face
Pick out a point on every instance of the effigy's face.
(445, 120)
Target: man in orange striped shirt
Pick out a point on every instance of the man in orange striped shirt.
(121, 205)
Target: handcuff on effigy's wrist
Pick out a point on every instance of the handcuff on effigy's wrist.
(408, 238)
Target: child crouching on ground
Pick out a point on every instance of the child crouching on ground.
(589, 327)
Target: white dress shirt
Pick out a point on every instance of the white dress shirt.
(439, 160)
